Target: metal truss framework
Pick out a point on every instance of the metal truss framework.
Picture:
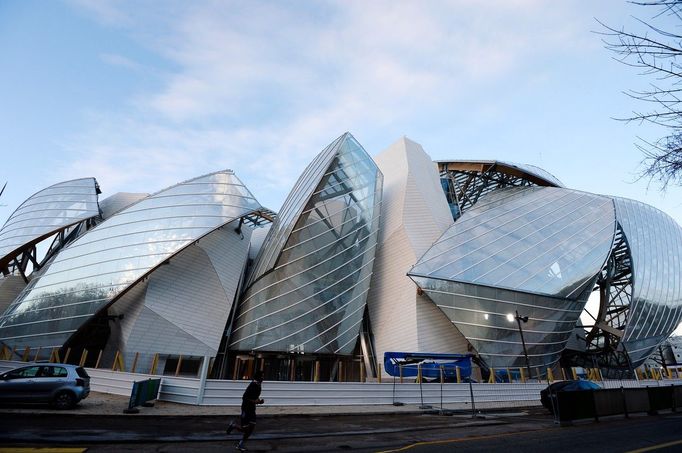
(464, 183)
(604, 348)
(18, 263)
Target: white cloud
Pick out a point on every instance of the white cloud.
(263, 86)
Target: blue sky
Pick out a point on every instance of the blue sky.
(144, 94)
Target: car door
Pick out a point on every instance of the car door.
(50, 379)
(18, 385)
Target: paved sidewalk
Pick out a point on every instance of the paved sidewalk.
(113, 405)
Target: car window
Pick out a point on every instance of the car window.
(53, 371)
(82, 373)
(26, 372)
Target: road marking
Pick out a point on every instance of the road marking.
(42, 450)
(464, 439)
(656, 447)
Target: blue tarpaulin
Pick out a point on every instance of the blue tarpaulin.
(430, 364)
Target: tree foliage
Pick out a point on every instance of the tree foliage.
(657, 52)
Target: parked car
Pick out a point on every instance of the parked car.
(61, 385)
(548, 396)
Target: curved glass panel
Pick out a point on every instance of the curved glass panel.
(313, 297)
(486, 317)
(291, 209)
(540, 240)
(536, 171)
(655, 242)
(102, 264)
(46, 212)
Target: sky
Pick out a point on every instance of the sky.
(142, 94)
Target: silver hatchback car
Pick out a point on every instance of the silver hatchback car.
(59, 384)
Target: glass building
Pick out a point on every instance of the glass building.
(308, 287)
(441, 257)
(83, 283)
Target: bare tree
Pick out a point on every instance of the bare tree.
(656, 51)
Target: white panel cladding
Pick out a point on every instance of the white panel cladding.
(435, 331)
(188, 293)
(130, 307)
(155, 334)
(120, 200)
(391, 298)
(10, 287)
(414, 214)
(228, 251)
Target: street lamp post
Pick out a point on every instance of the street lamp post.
(523, 342)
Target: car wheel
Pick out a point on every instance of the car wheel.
(64, 400)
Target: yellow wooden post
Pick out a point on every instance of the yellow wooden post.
(342, 375)
(575, 375)
(401, 373)
(362, 371)
(316, 375)
(235, 371)
(137, 356)
(419, 372)
(84, 356)
(442, 377)
(155, 363)
(99, 358)
(27, 351)
(68, 353)
(491, 378)
(177, 368)
(550, 375)
(118, 362)
(522, 372)
(459, 374)
(54, 356)
(379, 373)
(670, 373)
(563, 374)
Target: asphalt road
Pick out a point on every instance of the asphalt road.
(534, 432)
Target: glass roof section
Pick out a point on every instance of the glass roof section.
(46, 212)
(102, 264)
(655, 242)
(540, 240)
(537, 174)
(293, 207)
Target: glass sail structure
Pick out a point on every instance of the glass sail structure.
(104, 263)
(45, 213)
(532, 250)
(308, 290)
(655, 310)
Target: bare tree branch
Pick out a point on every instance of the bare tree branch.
(657, 52)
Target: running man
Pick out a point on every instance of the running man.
(247, 421)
